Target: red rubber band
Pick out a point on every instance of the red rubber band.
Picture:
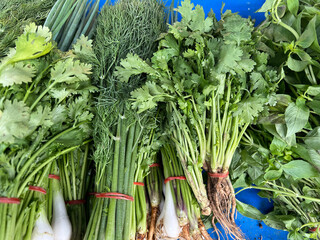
(92, 193)
(9, 200)
(114, 195)
(52, 176)
(218, 175)
(139, 183)
(75, 202)
(174, 178)
(155, 165)
(313, 229)
(38, 189)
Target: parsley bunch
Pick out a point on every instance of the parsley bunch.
(45, 112)
(213, 83)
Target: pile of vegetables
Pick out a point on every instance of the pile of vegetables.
(118, 125)
(282, 152)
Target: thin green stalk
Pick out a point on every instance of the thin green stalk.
(111, 222)
(121, 172)
(280, 192)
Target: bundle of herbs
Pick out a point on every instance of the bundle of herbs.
(285, 163)
(214, 83)
(122, 136)
(15, 15)
(45, 112)
(181, 216)
(278, 171)
(72, 21)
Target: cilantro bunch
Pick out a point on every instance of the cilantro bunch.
(213, 83)
(45, 112)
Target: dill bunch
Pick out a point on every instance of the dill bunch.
(122, 136)
(129, 26)
(15, 15)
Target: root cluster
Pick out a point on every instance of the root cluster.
(223, 205)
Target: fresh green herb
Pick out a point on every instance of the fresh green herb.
(122, 137)
(45, 112)
(214, 83)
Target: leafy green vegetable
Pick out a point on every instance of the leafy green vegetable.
(213, 82)
(36, 128)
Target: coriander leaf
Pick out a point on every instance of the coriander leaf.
(83, 46)
(228, 58)
(296, 116)
(258, 83)
(199, 22)
(132, 65)
(70, 71)
(17, 73)
(185, 10)
(60, 94)
(148, 96)
(14, 121)
(33, 43)
(247, 110)
(41, 117)
(236, 29)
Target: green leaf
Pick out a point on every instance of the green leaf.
(249, 109)
(240, 182)
(313, 139)
(300, 169)
(266, 6)
(236, 29)
(148, 96)
(228, 58)
(296, 65)
(296, 116)
(314, 157)
(33, 43)
(277, 146)
(313, 90)
(255, 172)
(14, 121)
(309, 35)
(132, 65)
(274, 221)
(272, 175)
(295, 235)
(17, 73)
(314, 105)
(249, 211)
(70, 71)
(293, 6)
